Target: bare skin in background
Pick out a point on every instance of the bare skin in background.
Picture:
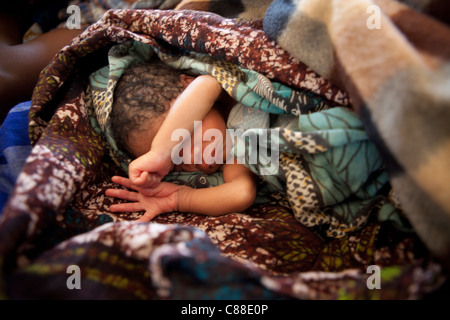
(21, 63)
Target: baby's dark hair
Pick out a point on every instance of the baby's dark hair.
(142, 95)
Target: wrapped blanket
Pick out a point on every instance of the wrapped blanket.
(57, 216)
(331, 171)
(394, 63)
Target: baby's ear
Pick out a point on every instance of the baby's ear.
(186, 80)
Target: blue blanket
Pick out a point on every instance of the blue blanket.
(14, 148)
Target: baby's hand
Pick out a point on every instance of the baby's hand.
(154, 201)
(148, 170)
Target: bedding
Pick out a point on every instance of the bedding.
(57, 215)
(14, 148)
(394, 63)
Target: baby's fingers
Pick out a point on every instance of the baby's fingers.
(153, 180)
(123, 194)
(139, 180)
(148, 216)
(125, 182)
(126, 207)
(147, 180)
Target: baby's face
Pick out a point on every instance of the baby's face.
(214, 152)
(210, 150)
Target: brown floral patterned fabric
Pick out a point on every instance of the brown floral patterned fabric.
(58, 214)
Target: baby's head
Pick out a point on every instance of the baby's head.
(142, 99)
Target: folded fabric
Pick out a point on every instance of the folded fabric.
(394, 63)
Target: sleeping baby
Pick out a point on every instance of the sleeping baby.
(152, 101)
(328, 169)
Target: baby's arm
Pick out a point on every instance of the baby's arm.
(235, 195)
(191, 105)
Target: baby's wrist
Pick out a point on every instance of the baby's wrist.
(184, 199)
(161, 152)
